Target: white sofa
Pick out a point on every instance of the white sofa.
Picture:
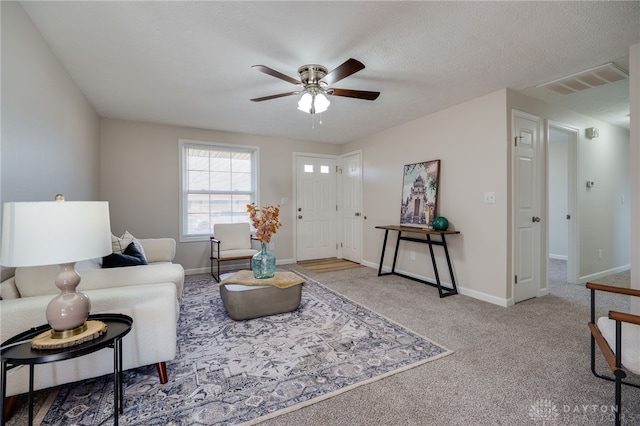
(150, 294)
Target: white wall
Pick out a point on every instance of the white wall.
(604, 221)
(604, 210)
(471, 141)
(50, 132)
(51, 139)
(139, 176)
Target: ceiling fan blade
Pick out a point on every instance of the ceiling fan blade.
(276, 74)
(359, 94)
(348, 67)
(279, 95)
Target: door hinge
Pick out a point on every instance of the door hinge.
(516, 280)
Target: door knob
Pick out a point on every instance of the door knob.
(299, 216)
(357, 213)
(536, 219)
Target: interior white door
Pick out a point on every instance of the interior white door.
(351, 184)
(316, 213)
(526, 133)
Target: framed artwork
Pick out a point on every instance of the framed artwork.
(420, 193)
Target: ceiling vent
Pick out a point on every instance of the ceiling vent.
(608, 73)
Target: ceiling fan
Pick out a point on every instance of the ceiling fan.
(315, 82)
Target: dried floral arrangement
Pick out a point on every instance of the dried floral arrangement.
(266, 221)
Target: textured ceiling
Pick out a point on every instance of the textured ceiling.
(189, 63)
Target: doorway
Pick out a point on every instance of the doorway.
(328, 206)
(562, 147)
(316, 207)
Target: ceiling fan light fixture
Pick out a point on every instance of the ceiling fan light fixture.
(321, 103)
(313, 104)
(316, 82)
(304, 104)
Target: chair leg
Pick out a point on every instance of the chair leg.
(619, 374)
(10, 406)
(217, 278)
(618, 407)
(162, 372)
(593, 362)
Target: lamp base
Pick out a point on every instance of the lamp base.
(46, 339)
(64, 334)
(69, 309)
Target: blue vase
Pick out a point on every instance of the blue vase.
(263, 263)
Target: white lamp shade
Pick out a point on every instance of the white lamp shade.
(321, 103)
(313, 104)
(54, 232)
(304, 104)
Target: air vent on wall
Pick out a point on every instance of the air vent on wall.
(608, 73)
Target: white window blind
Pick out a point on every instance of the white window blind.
(218, 181)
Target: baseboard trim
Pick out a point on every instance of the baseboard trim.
(559, 256)
(461, 290)
(601, 274)
(485, 297)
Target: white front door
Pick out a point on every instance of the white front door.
(528, 211)
(351, 212)
(316, 208)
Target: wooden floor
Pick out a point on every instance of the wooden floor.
(328, 265)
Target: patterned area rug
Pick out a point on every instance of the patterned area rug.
(231, 372)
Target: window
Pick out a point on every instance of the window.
(217, 183)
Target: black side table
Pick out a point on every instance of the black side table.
(118, 325)
(427, 232)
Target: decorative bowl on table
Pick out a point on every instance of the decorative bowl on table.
(440, 223)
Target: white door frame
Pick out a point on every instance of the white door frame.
(340, 230)
(573, 147)
(294, 213)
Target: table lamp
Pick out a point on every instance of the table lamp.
(57, 232)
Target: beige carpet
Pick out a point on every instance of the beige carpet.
(328, 265)
(507, 362)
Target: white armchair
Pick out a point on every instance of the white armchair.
(618, 337)
(230, 241)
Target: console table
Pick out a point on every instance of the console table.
(427, 232)
(17, 351)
